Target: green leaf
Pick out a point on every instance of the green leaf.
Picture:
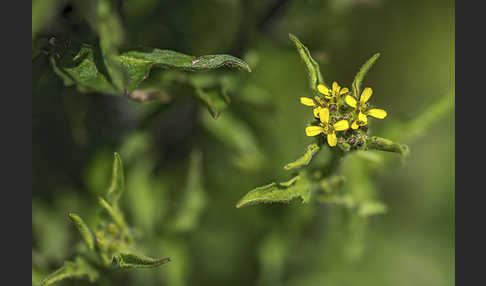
(305, 159)
(117, 217)
(83, 69)
(215, 100)
(369, 208)
(117, 181)
(237, 135)
(360, 75)
(77, 269)
(82, 65)
(126, 260)
(194, 199)
(315, 76)
(283, 192)
(83, 230)
(383, 144)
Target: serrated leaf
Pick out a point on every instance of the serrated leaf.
(117, 181)
(72, 270)
(82, 65)
(315, 76)
(127, 260)
(83, 230)
(297, 187)
(305, 159)
(360, 75)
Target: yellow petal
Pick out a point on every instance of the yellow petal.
(332, 139)
(313, 130)
(344, 91)
(323, 89)
(365, 95)
(307, 101)
(316, 111)
(324, 115)
(354, 125)
(351, 101)
(335, 87)
(377, 113)
(363, 118)
(341, 125)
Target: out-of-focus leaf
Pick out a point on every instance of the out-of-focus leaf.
(315, 76)
(215, 100)
(117, 181)
(369, 208)
(194, 199)
(83, 230)
(77, 269)
(411, 130)
(356, 85)
(82, 65)
(237, 135)
(305, 159)
(283, 192)
(127, 260)
(42, 12)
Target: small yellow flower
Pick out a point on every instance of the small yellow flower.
(362, 108)
(316, 102)
(326, 128)
(333, 94)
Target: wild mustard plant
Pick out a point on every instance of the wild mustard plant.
(340, 123)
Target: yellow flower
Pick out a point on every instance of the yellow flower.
(362, 108)
(326, 128)
(316, 102)
(333, 94)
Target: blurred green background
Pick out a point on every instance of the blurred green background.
(211, 242)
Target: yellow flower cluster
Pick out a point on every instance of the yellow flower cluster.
(331, 111)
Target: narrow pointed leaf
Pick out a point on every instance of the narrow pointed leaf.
(371, 207)
(360, 75)
(83, 230)
(383, 144)
(117, 217)
(72, 270)
(126, 260)
(297, 187)
(305, 159)
(117, 181)
(215, 100)
(315, 76)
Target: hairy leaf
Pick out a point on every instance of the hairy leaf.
(126, 260)
(383, 144)
(305, 159)
(83, 230)
(117, 181)
(83, 65)
(315, 76)
(360, 75)
(117, 217)
(77, 269)
(283, 192)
